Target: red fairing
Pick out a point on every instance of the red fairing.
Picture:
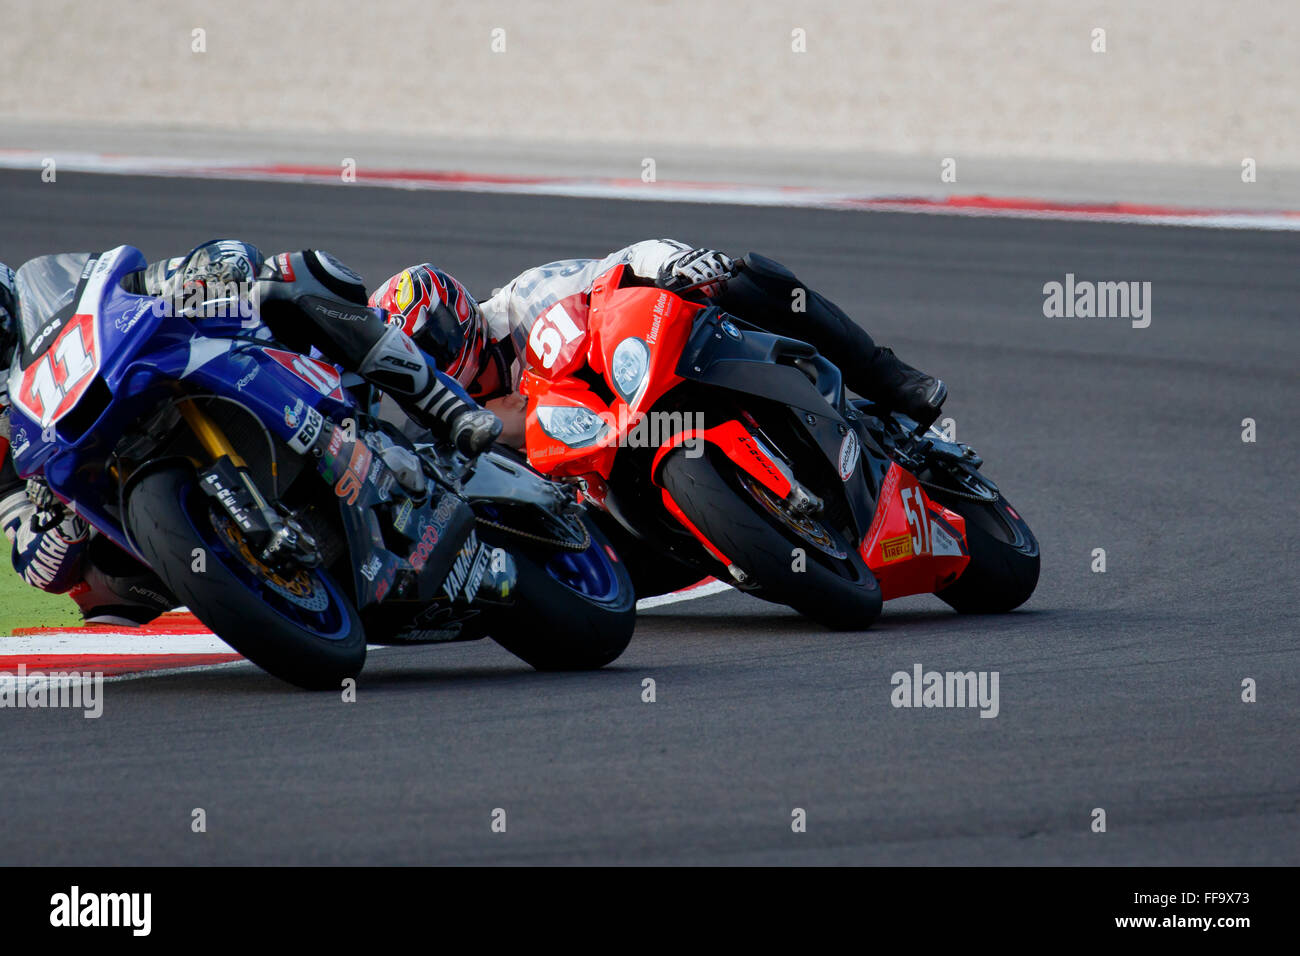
(557, 342)
(585, 330)
(680, 515)
(735, 441)
(914, 545)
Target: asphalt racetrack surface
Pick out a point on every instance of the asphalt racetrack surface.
(1119, 690)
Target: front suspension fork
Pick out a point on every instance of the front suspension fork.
(229, 481)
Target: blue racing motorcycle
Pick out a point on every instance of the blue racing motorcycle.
(259, 487)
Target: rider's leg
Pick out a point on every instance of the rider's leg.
(117, 589)
(310, 299)
(765, 294)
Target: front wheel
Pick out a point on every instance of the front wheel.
(571, 610)
(794, 561)
(301, 628)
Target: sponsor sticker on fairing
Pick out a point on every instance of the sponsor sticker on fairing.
(424, 547)
(349, 486)
(402, 515)
(469, 567)
(381, 477)
(941, 542)
(849, 453)
(134, 313)
(892, 549)
(306, 436)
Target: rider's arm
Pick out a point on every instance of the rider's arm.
(512, 309)
(512, 410)
(648, 257)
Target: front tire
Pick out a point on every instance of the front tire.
(312, 638)
(840, 593)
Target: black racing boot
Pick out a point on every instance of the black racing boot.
(766, 293)
(310, 298)
(901, 388)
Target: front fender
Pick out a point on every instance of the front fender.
(291, 404)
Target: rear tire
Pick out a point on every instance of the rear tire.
(1004, 558)
(849, 600)
(653, 572)
(169, 518)
(552, 625)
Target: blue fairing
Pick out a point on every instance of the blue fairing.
(147, 357)
(105, 359)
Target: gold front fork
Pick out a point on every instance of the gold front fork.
(217, 445)
(214, 441)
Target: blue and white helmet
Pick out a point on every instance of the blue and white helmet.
(213, 270)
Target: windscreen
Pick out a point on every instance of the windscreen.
(46, 285)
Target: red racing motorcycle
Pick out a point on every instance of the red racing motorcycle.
(710, 447)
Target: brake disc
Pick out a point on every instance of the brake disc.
(809, 530)
(301, 589)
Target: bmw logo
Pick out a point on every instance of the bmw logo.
(729, 327)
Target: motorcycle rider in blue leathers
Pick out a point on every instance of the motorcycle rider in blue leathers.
(308, 300)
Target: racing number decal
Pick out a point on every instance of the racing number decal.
(553, 330)
(53, 384)
(312, 374)
(918, 520)
(318, 375)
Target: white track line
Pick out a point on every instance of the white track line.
(112, 644)
(595, 188)
(127, 644)
(703, 590)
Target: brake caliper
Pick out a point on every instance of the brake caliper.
(279, 541)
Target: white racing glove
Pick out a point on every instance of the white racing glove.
(52, 513)
(695, 266)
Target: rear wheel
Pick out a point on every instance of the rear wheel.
(1004, 559)
(830, 583)
(300, 627)
(571, 611)
(653, 571)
